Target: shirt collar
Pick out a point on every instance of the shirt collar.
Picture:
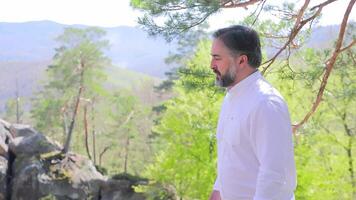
(244, 83)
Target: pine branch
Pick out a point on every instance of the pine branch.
(329, 65)
(298, 25)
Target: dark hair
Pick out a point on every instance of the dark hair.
(241, 40)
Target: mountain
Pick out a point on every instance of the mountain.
(323, 37)
(28, 77)
(26, 49)
(130, 47)
(23, 75)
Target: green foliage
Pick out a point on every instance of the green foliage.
(158, 191)
(186, 157)
(179, 15)
(78, 62)
(197, 75)
(185, 51)
(11, 110)
(323, 148)
(48, 197)
(117, 103)
(322, 167)
(101, 169)
(184, 134)
(129, 125)
(45, 114)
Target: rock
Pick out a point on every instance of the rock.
(119, 190)
(4, 155)
(36, 169)
(25, 185)
(4, 149)
(20, 130)
(33, 144)
(3, 177)
(3, 132)
(5, 124)
(70, 177)
(5, 137)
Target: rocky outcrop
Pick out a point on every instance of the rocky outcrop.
(3, 177)
(5, 137)
(119, 189)
(32, 167)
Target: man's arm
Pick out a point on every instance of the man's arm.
(272, 137)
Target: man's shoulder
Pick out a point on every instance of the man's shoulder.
(265, 94)
(265, 91)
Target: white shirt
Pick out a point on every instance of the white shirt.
(255, 147)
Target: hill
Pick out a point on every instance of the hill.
(29, 77)
(130, 47)
(27, 48)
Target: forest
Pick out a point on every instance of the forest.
(164, 130)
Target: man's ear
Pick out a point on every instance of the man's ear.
(243, 60)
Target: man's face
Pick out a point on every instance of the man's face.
(222, 64)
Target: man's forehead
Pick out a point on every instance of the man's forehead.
(218, 48)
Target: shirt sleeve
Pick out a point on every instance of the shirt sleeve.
(272, 137)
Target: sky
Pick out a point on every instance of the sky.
(111, 13)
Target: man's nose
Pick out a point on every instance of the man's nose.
(212, 65)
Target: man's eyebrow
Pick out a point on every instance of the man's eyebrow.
(215, 55)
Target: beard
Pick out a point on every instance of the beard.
(227, 79)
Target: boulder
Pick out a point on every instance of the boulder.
(3, 177)
(119, 190)
(4, 149)
(32, 144)
(5, 124)
(33, 167)
(68, 176)
(5, 136)
(4, 155)
(21, 130)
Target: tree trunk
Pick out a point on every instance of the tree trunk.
(17, 104)
(86, 132)
(126, 153)
(351, 167)
(102, 154)
(70, 131)
(348, 149)
(65, 127)
(93, 132)
(127, 141)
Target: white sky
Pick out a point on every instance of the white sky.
(110, 13)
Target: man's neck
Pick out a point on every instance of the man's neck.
(241, 76)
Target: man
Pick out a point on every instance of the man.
(254, 136)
